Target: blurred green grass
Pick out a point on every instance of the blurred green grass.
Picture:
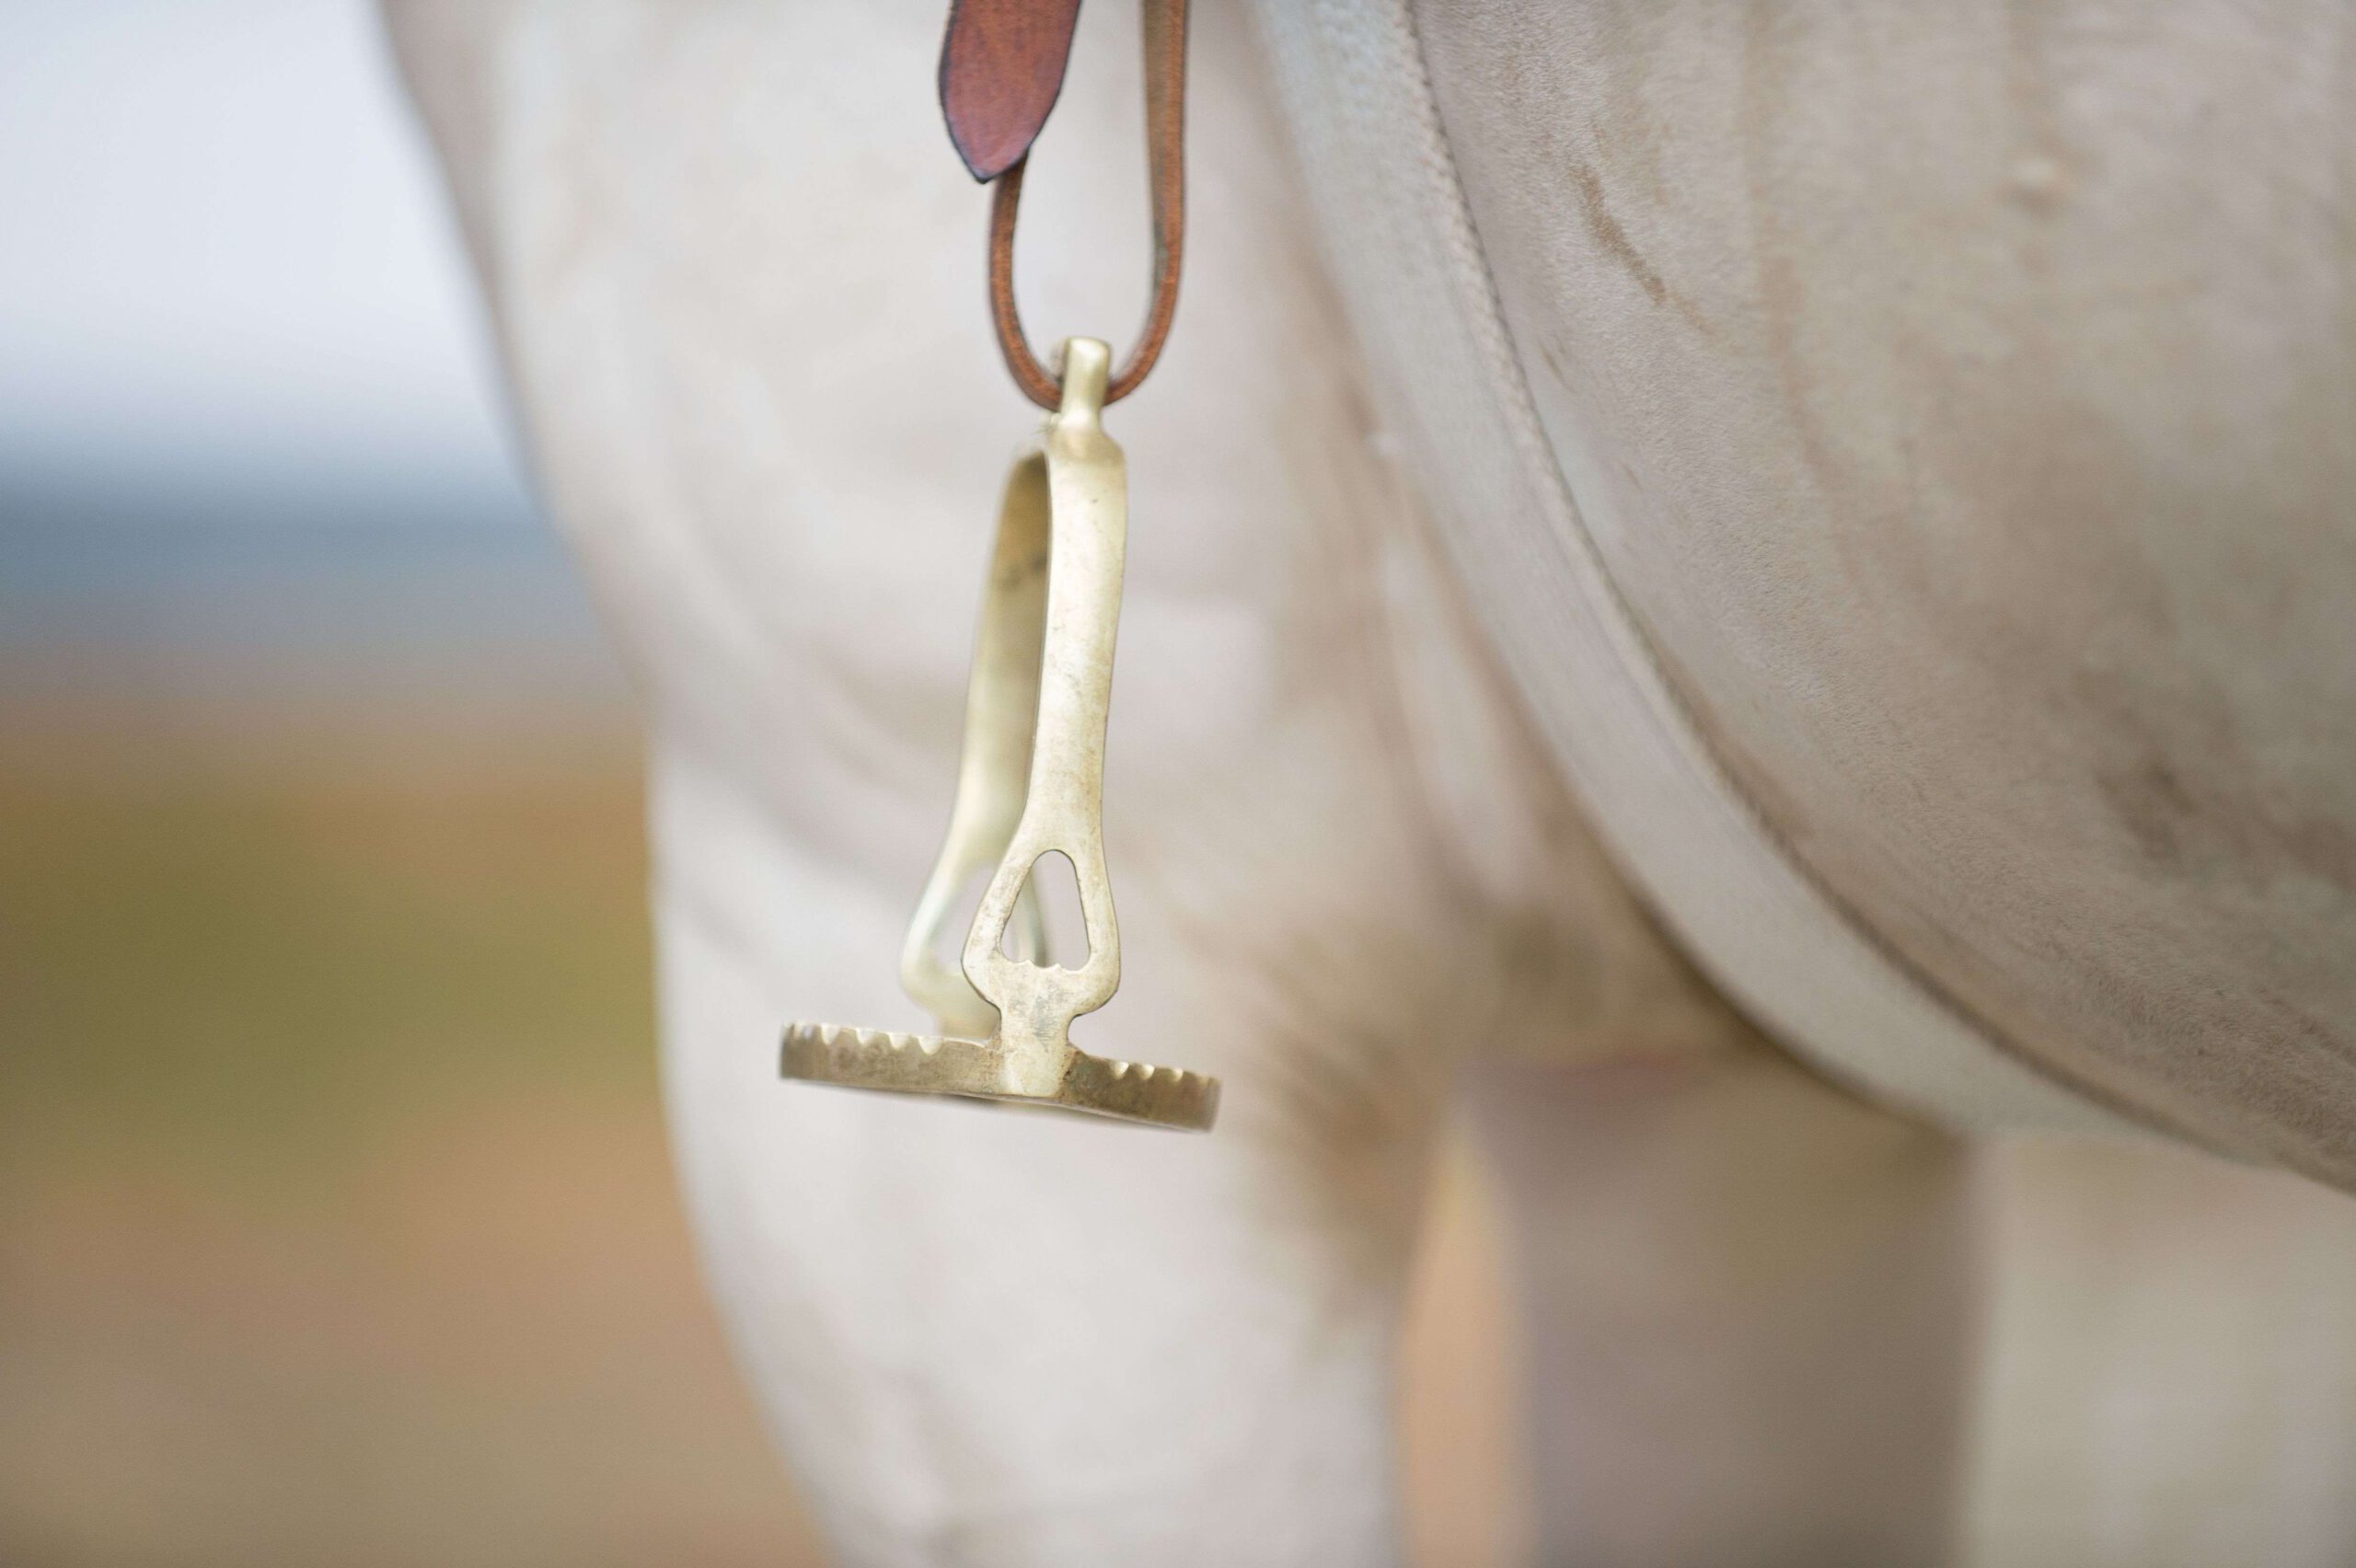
(336, 1222)
(247, 971)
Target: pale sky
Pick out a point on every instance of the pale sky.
(222, 248)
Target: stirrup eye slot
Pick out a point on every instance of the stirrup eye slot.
(1051, 889)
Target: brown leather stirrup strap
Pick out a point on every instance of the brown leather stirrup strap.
(1002, 66)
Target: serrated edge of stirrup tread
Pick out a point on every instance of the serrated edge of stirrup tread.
(932, 1063)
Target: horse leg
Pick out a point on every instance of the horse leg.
(1750, 1310)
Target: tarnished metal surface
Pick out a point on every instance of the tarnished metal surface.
(1030, 783)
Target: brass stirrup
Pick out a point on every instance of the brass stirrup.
(1031, 782)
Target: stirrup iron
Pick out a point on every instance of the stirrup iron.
(1030, 781)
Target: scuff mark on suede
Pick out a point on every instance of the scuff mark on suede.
(1605, 228)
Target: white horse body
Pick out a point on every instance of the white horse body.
(1735, 541)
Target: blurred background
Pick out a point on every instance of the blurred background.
(336, 1222)
(336, 1219)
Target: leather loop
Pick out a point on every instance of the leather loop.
(1165, 129)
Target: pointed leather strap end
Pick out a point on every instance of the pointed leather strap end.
(1002, 66)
